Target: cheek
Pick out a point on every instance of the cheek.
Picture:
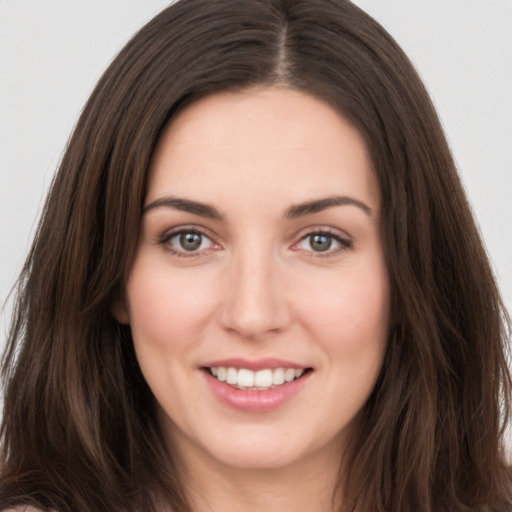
(167, 307)
(349, 314)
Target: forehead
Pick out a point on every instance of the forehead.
(271, 141)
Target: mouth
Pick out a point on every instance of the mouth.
(261, 380)
(255, 385)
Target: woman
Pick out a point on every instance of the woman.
(257, 285)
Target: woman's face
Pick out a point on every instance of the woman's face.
(259, 296)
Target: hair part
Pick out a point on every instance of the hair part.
(80, 428)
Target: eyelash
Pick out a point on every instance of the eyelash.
(344, 243)
(183, 253)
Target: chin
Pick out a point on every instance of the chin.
(264, 456)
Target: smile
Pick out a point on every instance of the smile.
(255, 385)
(260, 380)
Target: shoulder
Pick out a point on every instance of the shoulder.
(22, 508)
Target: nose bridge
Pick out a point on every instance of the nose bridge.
(255, 301)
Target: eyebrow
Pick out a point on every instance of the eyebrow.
(186, 205)
(318, 205)
(294, 212)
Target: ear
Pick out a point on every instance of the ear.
(120, 313)
(119, 310)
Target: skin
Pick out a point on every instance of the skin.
(257, 288)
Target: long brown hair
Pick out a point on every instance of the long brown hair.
(80, 430)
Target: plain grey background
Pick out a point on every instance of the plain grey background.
(52, 52)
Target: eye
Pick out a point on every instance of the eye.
(323, 242)
(187, 242)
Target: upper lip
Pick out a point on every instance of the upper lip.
(255, 364)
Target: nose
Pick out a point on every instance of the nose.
(255, 300)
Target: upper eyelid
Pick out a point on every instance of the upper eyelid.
(335, 236)
(328, 230)
(172, 232)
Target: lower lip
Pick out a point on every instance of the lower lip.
(252, 400)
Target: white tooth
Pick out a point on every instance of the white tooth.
(298, 373)
(263, 379)
(221, 373)
(289, 374)
(245, 378)
(213, 369)
(231, 377)
(278, 376)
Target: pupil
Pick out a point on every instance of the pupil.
(190, 241)
(321, 242)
